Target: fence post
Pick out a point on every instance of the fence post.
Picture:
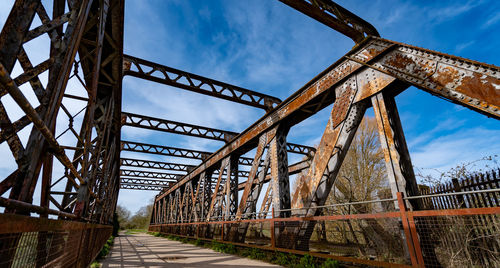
(222, 232)
(458, 188)
(273, 242)
(409, 239)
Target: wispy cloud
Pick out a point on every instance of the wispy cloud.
(491, 21)
(452, 11)
(271, 48)
(446, 151)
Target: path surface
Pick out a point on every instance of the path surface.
(143, 250)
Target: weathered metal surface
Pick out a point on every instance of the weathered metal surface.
(163, 150)
(361, 62)
(404, 216)
(129, 162)
(86, 42)
(159, 124)
(149, 174)
(199, 84)
(336, 17)
(142, 186)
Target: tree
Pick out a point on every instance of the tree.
(123, 216)
(140, 220)
(361, 177)
(362, 174)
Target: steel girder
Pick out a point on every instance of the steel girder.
(336, 17)
(86, 41)
(195, 154)
(85, 46)
(169, 76)
(163, 183)
(372, 74)
(141, 186)
(147, 122)
(129, 162)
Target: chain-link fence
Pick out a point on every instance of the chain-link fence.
(378, 233)
(38, 242)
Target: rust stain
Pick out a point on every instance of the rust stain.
(374, 86)
(126, 65)
(370, 53)
(423, 68)
(481, 87)
(340, 107)
(445, 76)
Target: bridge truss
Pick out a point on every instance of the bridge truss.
(217, 198)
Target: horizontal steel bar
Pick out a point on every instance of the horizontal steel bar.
(454, 193)
(455, 212)
(335, 17)
(378, 55)
(19, 205)
(12, 223)
(129, 162)
(141, 187)
(25, 105)
(173, 151)
(196, 83)
(146, 182)
(147, 122)
(299, 252)
(149, 174)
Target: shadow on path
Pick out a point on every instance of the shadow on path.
(143, 250)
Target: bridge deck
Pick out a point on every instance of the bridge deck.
(143, 250)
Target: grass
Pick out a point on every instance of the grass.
(276, 257)
(135, 231)
(104, 252)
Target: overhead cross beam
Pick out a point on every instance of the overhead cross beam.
(335, 17)
(147, 122)
(163, 150)
(149, 174)
(158, 124)
(200, 155)
(135, 181)
(173, 77)
(143, 187)
(129, 162)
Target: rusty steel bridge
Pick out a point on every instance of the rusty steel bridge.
(217, 199)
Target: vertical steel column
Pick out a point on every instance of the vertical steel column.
(279, 173)
(392, 141)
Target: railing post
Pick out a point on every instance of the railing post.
(273, 241)
(411, 237)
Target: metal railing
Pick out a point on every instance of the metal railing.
(389, 236)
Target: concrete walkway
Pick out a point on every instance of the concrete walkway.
(143, 250)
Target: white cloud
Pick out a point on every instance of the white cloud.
(267, 47)
(463, 145)
(491, 21)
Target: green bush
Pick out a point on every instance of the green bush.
(307, 261)
(282, 259)
(106, 248)
(329, 263)
(254, 253)
(224, 248)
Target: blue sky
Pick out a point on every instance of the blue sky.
(271, 48)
